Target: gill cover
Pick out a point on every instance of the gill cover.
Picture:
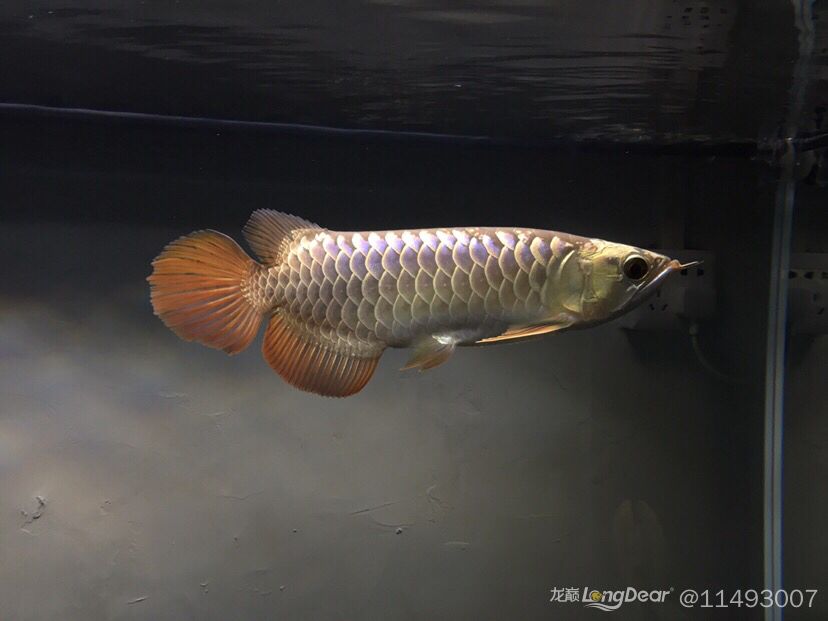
(614, 278)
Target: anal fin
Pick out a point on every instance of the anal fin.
(309, 363)
(429, 352)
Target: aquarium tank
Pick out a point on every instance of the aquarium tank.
(623, 204)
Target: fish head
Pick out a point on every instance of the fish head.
(616, 278)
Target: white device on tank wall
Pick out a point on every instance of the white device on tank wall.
(808, 293)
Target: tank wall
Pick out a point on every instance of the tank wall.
(151, 478)
(805, 509)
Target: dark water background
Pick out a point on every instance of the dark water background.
(176, 482)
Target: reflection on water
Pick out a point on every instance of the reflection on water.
(585, 70)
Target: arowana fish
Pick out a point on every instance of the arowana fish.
(335, 300)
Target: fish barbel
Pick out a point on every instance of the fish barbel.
(336, 300)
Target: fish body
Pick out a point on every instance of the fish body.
(336, 300)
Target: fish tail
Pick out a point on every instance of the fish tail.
(200, 288)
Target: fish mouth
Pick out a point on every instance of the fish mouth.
(667, 267)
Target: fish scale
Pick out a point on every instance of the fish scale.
(391, 287)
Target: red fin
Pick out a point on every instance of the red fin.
(311, 365)
(197, 289)
(267, 232)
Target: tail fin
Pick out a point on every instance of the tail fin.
(198, 288)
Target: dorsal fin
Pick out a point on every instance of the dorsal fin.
(268, 231)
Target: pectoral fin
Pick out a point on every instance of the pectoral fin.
(429, 353)
(524, 332)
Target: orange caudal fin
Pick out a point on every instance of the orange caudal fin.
(198, 289)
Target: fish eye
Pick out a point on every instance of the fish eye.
(635, 267)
